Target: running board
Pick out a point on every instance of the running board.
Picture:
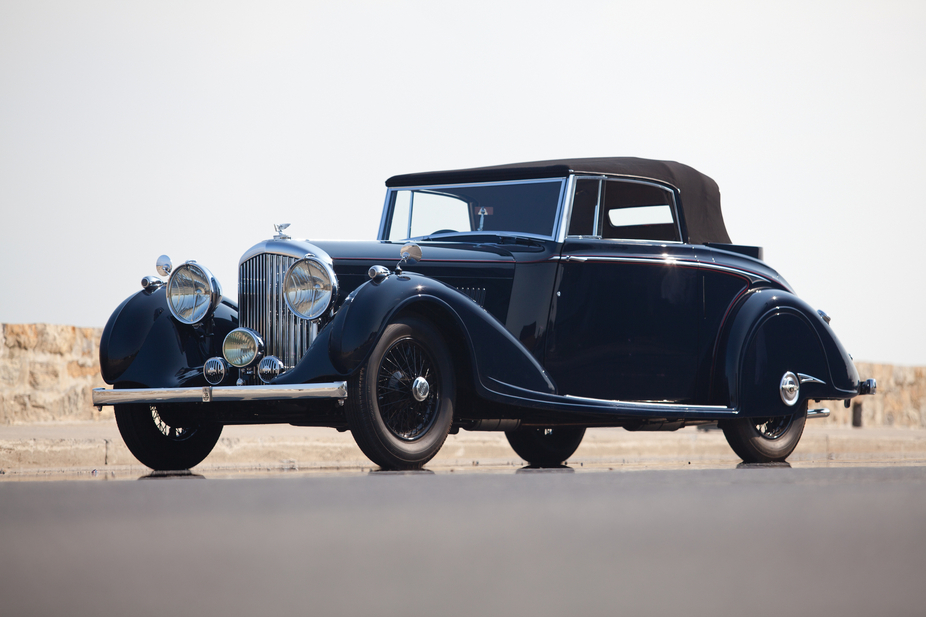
(818, 413)
(602, 408)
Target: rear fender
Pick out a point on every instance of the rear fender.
(774, 332)
(143, 344)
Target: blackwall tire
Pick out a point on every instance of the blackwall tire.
(396, 423)
(546, 447)
(160, 446)
(765, 440)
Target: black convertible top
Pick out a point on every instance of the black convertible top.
(699, 195)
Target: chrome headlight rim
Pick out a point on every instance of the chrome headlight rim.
(318, 308)
(233, 359)
(213, 292)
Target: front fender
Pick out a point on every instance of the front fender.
(143, 344)
(497, 357)
(772, 332)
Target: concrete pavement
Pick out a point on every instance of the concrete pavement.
(31, 449)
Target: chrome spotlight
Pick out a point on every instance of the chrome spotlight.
(215, 370)
(270, 368)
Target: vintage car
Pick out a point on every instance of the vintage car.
(537, 299)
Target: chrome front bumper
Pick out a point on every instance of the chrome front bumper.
(224, 394)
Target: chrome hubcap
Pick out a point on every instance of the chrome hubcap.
(420, 389)
(790, 388)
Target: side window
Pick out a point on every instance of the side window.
(584, 208)
(638, 211)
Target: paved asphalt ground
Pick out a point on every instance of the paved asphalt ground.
(846, 540)
(286, 521)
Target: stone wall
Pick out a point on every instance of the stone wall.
(900, 401)
(47, 373)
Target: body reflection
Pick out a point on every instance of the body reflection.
(546, 469)
(177, 473)
(783, 464)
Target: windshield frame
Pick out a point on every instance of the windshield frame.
(556, 231)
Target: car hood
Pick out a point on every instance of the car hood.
(482, 271)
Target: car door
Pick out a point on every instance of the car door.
(626, 306)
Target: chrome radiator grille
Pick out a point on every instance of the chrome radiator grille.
(261, 307)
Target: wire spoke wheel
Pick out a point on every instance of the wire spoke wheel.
(774, 428)
(546, 447)
(765, 439)
(155, 436)
(170, 432)
(400, 403)
(404, 415)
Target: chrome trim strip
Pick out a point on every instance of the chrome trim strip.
(565, 208)
(561, 225)
(818, 413)
(275, 392)
(428, 187)
(667, 260)
(411, 212)
(634, 260)
(809, 379)
(649, 404)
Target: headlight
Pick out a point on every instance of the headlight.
(243, 347)
(192, 293)
(309, 287)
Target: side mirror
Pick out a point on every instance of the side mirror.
(410, 254)
(164, 266)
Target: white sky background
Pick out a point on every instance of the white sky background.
(132, 129)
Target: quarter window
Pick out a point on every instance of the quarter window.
(640, 215)
(623, 209)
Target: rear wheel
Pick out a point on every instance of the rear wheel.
(767, 439)
(546, 447)
(400, 402)
(161, 445)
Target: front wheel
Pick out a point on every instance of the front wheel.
(161, 446)
(546, 447)
(400, 402)
(765, 440)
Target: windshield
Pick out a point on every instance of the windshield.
(527, 207)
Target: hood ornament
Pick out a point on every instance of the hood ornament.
(279, 227)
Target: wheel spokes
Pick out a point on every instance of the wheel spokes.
(170, 432)
(774, 428)
(404, 416)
